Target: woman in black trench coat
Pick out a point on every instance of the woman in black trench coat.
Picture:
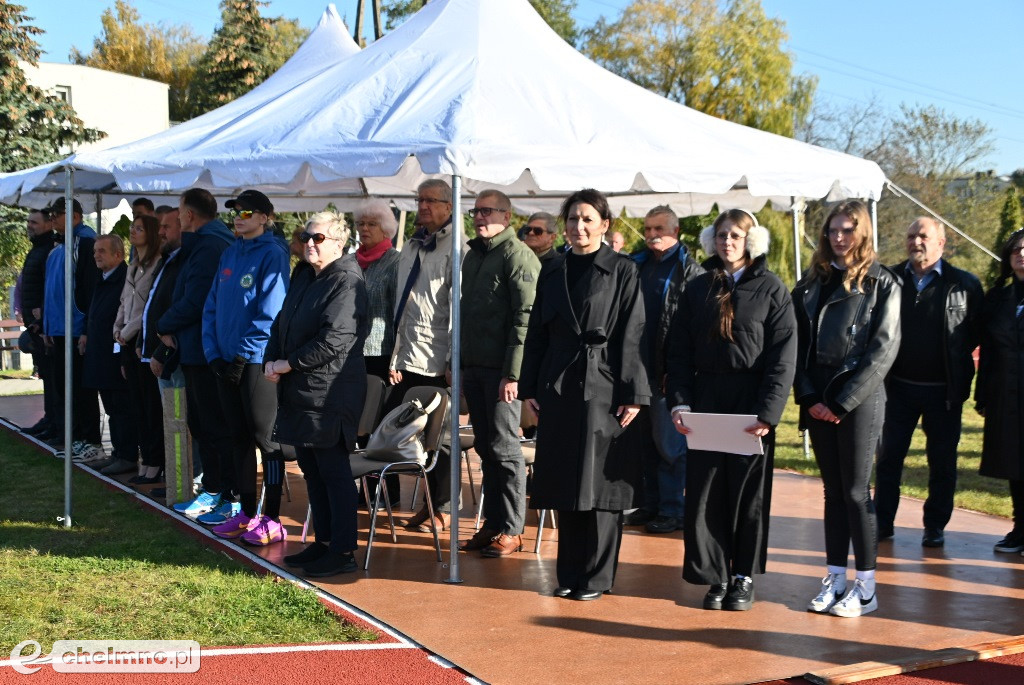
(315, 353)
(731, 350)
(583, 374)
(999, 392)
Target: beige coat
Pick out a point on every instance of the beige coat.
(137, 284)
(423, 336)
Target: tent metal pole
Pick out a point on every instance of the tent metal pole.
(99, 214)
(873, 208)
(456, 297)
(797, 208)
(69, 344)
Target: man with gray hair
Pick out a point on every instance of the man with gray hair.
(422, 353)
(665, 269)
(930, 379)
(539, 234)
(499, 282)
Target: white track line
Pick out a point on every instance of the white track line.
(253, 558)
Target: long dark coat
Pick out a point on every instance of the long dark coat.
(320, 330)
(728, 496)
(101, 368)
(999, 390)
(581, 366)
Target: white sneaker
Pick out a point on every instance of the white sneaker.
(856, 602)
(93, 454)
(833, 586)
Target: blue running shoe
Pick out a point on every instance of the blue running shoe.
(221, 514)
(202, 504)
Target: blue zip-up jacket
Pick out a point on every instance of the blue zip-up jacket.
(86, 274)
(199, 256)
(247, 294)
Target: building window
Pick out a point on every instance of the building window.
(63, 92)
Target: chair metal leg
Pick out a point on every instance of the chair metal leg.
(480, 509)
(415, 493)
(433, 521)
(469, 472)
(263, 496)
(287, 485)
(305, 524)
(373, 523)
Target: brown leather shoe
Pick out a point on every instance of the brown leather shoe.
(480, 539)
(503, 545)
(419, 518)
(442, 521)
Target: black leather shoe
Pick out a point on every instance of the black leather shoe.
(306, 556)
(585, 595)
(716, 593)
(885, 531)
(331, 564)
(933, 537)
(561, 591)
(740, 596)
(640, 517)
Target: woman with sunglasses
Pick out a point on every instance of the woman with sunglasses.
(584, 376)
(731, 350)
(246, 295)
(143, 389)
(848, 322)
(315, 355)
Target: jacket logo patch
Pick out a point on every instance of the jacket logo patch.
(247, 281)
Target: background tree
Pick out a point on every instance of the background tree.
(168, 54)
(728, 62)
(239, 56)
(286, 35)
(1011, 218)
(35, 128)
(557, 14)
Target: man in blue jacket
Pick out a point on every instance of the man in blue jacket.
(665, 269)
(85, 408)
(204, 238)
(246, 296)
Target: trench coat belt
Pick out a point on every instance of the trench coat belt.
(591, 342)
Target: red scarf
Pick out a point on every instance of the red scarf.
(366, 257)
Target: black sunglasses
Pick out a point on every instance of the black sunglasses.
(317, 238)
(485, 211)
(535, 230)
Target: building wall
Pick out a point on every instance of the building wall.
(124, 107)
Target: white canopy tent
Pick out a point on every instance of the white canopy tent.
(434, 99)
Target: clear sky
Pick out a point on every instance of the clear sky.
(965, 57)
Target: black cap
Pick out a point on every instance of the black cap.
(251, 199)
(58, 207)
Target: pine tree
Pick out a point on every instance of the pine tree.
(239, 56)
(35, 128)
(1011, 218)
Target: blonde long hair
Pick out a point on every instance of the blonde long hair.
(861, 255)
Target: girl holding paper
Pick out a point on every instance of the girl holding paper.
(731, 350)
(848, 313)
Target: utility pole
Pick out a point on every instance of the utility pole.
(378, 27)
(358, 33)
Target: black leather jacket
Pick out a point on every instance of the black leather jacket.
(961, 332)
(857, 339)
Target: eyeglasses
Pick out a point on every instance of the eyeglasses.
(428, 200)
(242, 213)
(723, 236)
(317, 238)
(835, 232)
(485, 211)
(138, 228)
(535, 230)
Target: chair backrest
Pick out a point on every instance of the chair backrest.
(434, 431)
(372, 406)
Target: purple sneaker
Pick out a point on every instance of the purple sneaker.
(235, 526)
(266, 531)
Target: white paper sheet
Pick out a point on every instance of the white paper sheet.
(722, 433)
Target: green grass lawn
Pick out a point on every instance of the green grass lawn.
(978, 493)
(124, 572)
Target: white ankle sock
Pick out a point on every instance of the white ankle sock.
(868, 578)
(840, 572)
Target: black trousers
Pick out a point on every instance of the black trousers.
(1017, 500)
(844, 452)
(85, 404)
(727, 511)
(588, 549)
(209, 428)
(147, 410)
(124, 436)
(496, 440)
(250, 410)
(41, 361)
(439, 479)
(332, 494)
(905, 403)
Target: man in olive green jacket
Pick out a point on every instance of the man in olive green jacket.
(499, 282)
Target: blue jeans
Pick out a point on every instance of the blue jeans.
(665, 465)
